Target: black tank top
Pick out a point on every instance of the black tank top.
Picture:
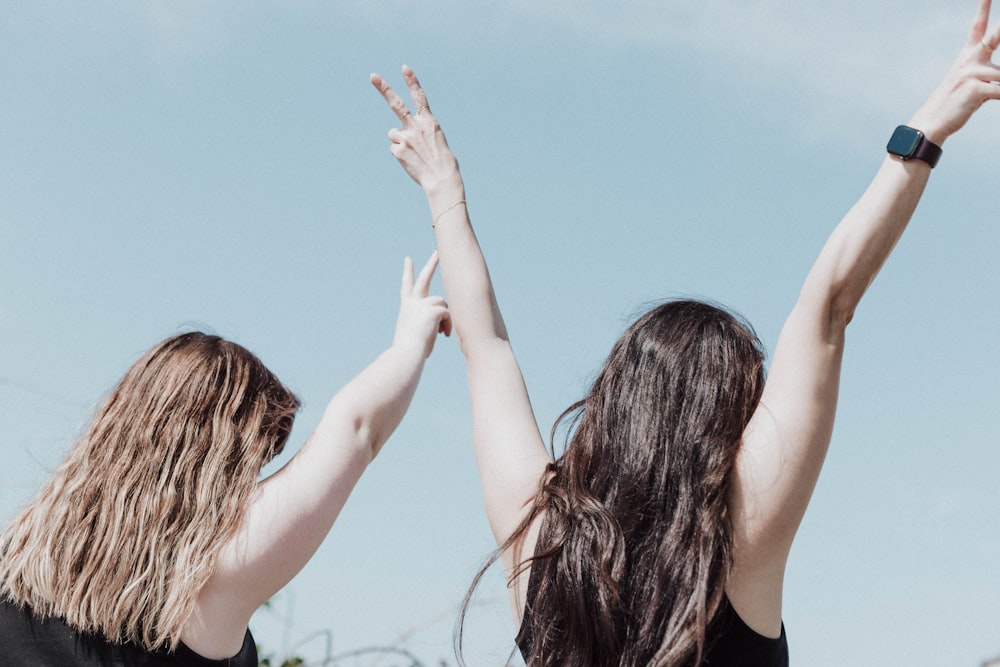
(27, 641)
(731, 642)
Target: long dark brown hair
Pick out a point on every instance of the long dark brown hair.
(126, 532)
(636, 545)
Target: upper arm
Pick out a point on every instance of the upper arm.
(510, 451)
(289, 515)
(784, 446)
(287, 519)
(786, 441)
(293, 510)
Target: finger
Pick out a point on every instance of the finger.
(398, 151)
(406, 288)
(989, 91)
(417, 93)
(423, 282)
(981, 23)
(394, 101)
(988, 73)
(990, 40)
(445, 325)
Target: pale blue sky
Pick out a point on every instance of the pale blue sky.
(224, 166)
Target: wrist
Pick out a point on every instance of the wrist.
(934, 132)
(444, 193)
(408, 350)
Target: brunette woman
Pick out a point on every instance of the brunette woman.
(154, 542)
(660, 536)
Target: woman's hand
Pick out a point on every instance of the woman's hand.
(972, 80)
(421, 317)
(420, 145)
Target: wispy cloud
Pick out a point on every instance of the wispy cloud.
(847, 65)
(839, 59)
(843, 64)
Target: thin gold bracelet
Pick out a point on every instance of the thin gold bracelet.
(438, 216)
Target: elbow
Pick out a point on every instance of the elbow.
(824, 316)
(486, 353)
(367, 442)
(843, 299)
(841, 310)
(464, 343)
(479, 343)
(351, 431)
(831, 302)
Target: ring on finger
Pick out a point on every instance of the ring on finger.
(989, 49)
(422, 108)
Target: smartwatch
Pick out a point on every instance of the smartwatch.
(907, 143)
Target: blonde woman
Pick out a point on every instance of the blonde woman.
(660, 536)
(154, 541)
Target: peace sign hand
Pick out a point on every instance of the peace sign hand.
(971, 82)
(421, 316)
(420, 145)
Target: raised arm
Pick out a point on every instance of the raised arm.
(295, 508)
(510, 451)
(787, 439)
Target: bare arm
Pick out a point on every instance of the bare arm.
(294, 509)
(509, 449)
(787, 438)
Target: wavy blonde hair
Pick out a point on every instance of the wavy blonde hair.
(126, 532)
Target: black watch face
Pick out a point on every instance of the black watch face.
(904, 141)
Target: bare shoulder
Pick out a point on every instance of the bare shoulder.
(755, 583)
(215, 630)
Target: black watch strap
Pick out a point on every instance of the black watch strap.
(928, 151)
